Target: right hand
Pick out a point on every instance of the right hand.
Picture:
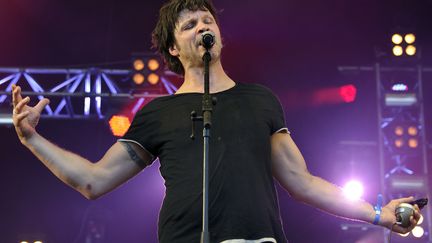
(25, 118)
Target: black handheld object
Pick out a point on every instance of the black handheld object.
(420, 202)
(405, 210)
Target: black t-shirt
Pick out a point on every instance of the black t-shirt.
(242, 197)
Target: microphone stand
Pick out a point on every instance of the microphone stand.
(207, 108)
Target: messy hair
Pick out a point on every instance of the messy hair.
(163, 34)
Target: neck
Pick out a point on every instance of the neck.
(194, 79)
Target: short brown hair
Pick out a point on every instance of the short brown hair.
(163, 34)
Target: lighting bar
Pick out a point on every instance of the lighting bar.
(400, 99)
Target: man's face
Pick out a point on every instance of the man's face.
(187, 35)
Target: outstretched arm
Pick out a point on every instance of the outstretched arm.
(290, 169)
(92, 180)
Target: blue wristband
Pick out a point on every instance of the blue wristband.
(378, 209)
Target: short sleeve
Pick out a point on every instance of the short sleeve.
(143, 131)
(277, 120)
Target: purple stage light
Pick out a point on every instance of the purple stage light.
(353, 190)
(400, 87)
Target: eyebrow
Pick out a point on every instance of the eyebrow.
(181, 23)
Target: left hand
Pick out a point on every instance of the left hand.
(388, 215)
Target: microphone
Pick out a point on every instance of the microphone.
(207, 39)
(405, 210)
(403, 213)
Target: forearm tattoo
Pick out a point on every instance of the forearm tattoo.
(133, 155)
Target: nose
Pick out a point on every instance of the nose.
(203, 29)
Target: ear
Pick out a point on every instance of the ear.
(173, 50)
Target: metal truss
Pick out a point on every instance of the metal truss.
(92, 88)
(401, 167)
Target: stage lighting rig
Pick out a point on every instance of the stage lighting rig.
(404, 45)
(146, 68)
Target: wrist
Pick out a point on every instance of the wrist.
(29, 140)
(378, 210)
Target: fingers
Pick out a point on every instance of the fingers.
(18, 108)
(21, 116)
(16, 94)
(401, 230)
(405, 200)
(416, 212)
(41, 105)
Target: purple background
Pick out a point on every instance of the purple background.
(289, 46)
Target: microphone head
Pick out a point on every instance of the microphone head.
(403, 213)
(207, 39)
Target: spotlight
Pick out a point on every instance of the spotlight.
(399, 143)
(410, 38)
(153, 64)
(353, 190)
(348, 93)
(404, 44)
(413, 143)
(119, 125)
(400, 87)
(418, 231)
(397, 39)
(397, 51)
(410, 50)
(399, 131)
(412, 130)
(138, 65)
(153, 78)
(138, 78)
(146, 69)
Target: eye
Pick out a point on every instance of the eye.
(208, 20)
(189, 25)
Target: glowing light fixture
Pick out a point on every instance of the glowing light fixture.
(418, 231)
(397, 39)
(153, 64)
(397, 51)
(119, 125)
(406, 99)
(410, 50)
(400, 87)
(412, 130)
(413, 143)
(410, 38)
(153, 78)
(399, 143)
(138, 78)
(399, 131)
(138, 64)
(404, 44)
(348, 93)
(353, 190)
(146, 69)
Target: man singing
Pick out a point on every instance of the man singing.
(249, 148)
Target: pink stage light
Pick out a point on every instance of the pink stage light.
(353, 190)
(334, 95)
(348, 93)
